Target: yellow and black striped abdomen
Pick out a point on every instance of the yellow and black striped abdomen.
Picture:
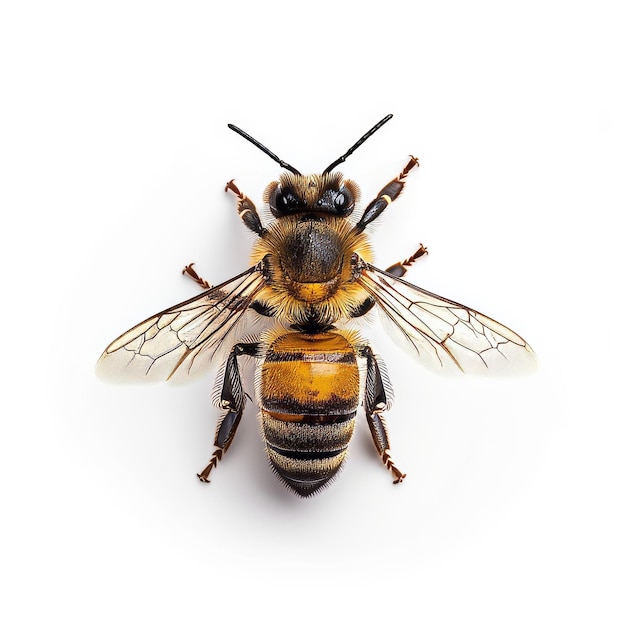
(309, 391)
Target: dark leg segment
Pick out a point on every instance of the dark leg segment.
(386, 196)
(375, 402)
(233, 399)
(246, 209)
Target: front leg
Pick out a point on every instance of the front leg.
(246, 209)
(386, 196)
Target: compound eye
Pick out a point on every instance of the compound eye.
(343, 202)
(289, 201)
(283, 201)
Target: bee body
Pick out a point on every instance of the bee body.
(311, 274)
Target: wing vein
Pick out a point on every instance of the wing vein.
(444, 332)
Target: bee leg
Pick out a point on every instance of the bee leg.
(376, 400)
(397, 269)
(226, 429)
(246, 209)
(233, 399)
(188, 269)
(400, 269)
(385, 196)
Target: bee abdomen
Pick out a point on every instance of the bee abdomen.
(309, 394)
(306, 456)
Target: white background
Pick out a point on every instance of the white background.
(114, 153)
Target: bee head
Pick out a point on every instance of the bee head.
(325, 193)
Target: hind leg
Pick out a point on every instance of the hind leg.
(377, 400)
(233, 399)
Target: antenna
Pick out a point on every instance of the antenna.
(367, 135)
(261, 147)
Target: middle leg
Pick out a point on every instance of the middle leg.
(189, 271)
(400, 269)
(397, 269)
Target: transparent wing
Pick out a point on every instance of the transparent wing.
(183, 339)
(443, 333)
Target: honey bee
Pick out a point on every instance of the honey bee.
(311, 274)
